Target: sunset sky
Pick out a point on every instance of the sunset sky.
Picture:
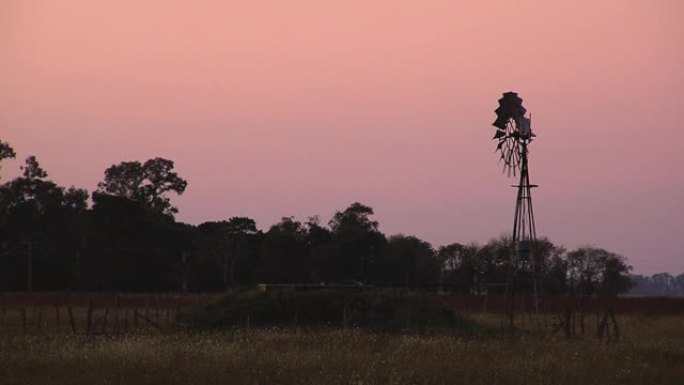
(280, 108)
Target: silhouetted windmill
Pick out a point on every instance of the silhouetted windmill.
(514, 134)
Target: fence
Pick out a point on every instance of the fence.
(93, 313)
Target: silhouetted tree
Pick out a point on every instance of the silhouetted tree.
(494, 260)
(462, 270)
(320, 251)
(148, 183)
(410, 262)
(230, 242)
(594, 271)
(131, 247)
(37, 218)
(6, 151)
(32, 169)
(358, 242)
(552, 267)
(285, 254)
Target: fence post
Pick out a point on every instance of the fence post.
(616, 331)
(603, 327)
(72, 322)
(296, 316)
(104, 321)
(566, 322)
(89, 316)
(23, 320)
(126, 321)
(116, 315)
(39, 318)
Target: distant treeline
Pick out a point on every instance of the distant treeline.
(662, 284)
(125, 238)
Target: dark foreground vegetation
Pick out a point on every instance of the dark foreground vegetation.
(123, 237)
(147, 339)
(648, 352)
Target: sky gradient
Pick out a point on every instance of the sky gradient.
(280, 108)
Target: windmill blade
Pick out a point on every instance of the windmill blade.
(516, 161)
(500, 122)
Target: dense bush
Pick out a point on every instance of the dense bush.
(374, 309)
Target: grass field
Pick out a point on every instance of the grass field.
(651, 351)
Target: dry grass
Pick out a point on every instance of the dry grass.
(650, 352)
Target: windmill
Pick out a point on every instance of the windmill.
(513, 135)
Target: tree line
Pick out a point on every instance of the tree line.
(124, 237)
(661, 284)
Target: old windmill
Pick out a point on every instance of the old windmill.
(513, 136)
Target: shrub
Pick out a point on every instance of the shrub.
(374, 309)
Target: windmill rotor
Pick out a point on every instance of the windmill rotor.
(512, 130)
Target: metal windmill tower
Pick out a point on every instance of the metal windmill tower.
(514, 134)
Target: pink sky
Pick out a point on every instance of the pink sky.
(279, 108)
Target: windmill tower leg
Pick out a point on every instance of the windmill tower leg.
(524, 230)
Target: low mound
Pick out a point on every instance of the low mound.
(374, 309)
